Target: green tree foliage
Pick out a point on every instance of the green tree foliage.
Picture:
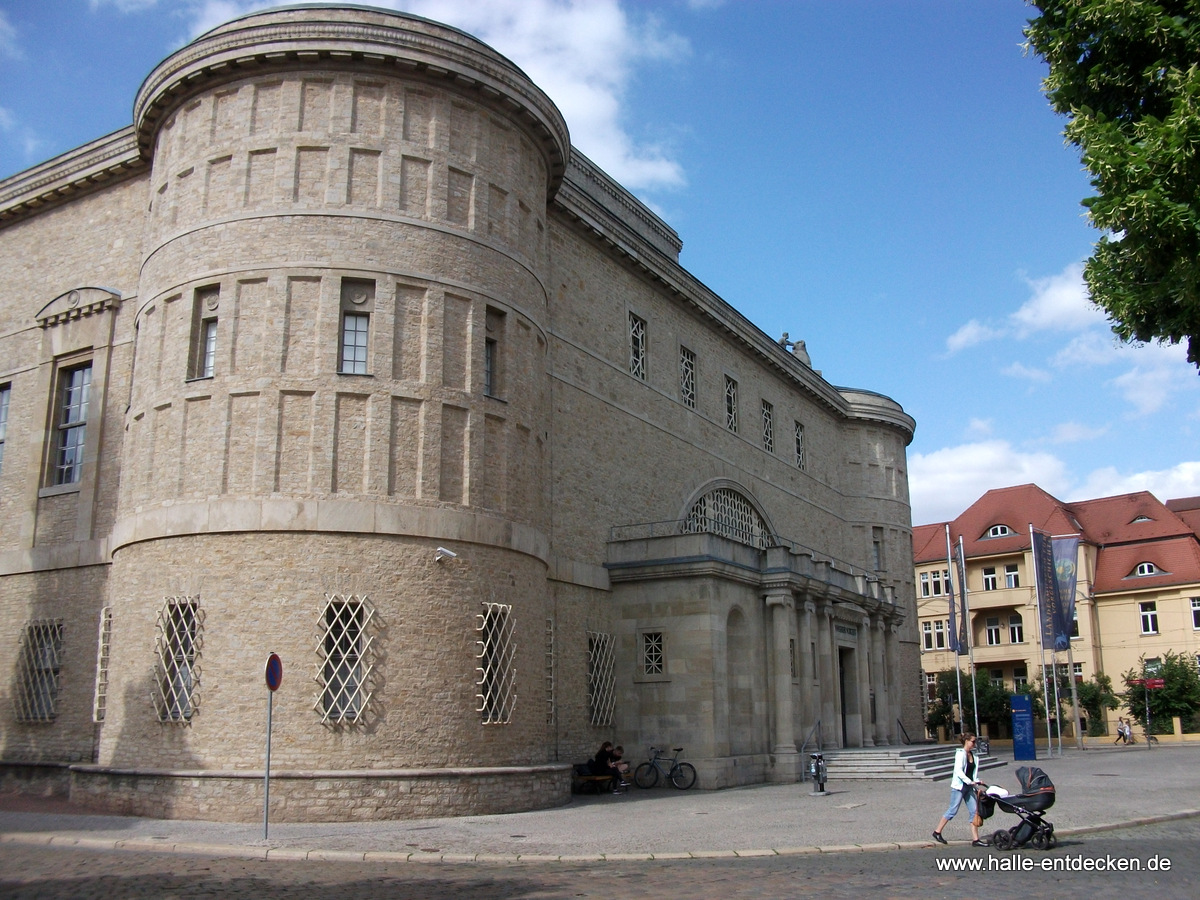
(1126, 73)
(1095, 696)
(1179, 695)
(994, 705)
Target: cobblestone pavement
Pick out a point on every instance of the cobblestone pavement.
(43, 872)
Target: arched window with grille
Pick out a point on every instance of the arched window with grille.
(727, 512)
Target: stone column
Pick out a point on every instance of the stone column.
(863, 656)
(896, 687)
(810, 693)
(785, 765)
(830, 723)
(879, 677)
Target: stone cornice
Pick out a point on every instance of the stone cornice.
(99, 163)
(357, 38)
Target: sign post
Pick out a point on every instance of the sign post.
(274, 676)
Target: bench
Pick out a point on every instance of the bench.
(583, 781)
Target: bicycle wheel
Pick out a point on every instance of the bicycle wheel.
(683, 776)
(645, 775)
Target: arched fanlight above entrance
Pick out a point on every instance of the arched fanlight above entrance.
(726, 511)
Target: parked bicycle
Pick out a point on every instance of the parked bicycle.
(680, 774)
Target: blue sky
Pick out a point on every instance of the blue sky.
(880, 178)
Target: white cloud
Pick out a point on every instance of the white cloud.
(1073, 432)
(1147, 389)
(1020, 370)
(9, 45)
(974, 332)
(125, 6)
(1059, 302)
(980, 428)
(1181, 480)
(582, 53)
(945, 482)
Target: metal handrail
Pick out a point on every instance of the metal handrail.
(904, 732)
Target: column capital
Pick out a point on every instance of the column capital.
(779, 596)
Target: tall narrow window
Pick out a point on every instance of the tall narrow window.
(731, 404)
(344, 650)
(927, 635)
(652, 653)
(1196, 613)
(177, 652)
(768, 427)
(1016, 629)
(1011, 577)
(358, 300)
(1149, 613)
(637, 347)
(989, 579)
(40, 663)
(493, 383)
(100, 697)
(877, 552)
(205, 308)
(601, 678)
(939, 635)
(687, 377)
(496, 684)
(800, 461)
(75, 386)
(924, 584)
(992, 624)
(1020, 677)
(5, 393)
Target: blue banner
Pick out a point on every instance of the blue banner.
(1047, 591)
(964, 621)
(1066, 553)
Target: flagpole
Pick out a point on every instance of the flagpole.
(966, 617)
(953, 629)
(1037, 596)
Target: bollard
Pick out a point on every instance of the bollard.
(819, 773)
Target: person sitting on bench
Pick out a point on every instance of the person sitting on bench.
(605, 764)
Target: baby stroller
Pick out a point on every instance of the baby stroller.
(1037, 796)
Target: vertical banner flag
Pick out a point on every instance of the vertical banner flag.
(961, 566)
(955, 644)
(1065, 553)
(1047, 589)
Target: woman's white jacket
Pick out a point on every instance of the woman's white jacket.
(961, 776)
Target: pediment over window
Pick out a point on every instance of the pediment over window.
(77, 303)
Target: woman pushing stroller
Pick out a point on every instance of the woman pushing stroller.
(962, 787)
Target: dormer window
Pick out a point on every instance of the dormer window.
(999, 531)
(1141, 519)
(1146, 568)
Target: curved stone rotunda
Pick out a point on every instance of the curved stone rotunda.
(342, 352)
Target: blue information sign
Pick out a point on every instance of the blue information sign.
(1022, 727)
(274, 672)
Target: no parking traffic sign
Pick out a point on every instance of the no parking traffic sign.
(274, 672)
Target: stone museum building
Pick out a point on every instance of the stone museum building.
(342, 352)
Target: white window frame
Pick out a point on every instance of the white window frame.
(71, 417)
(1146, 569)
(355, 343)
(40, 668)
(924, 584)
(1020, 678)
(990, 582)
(637, 346)
(601, 677)
(496, 652)
(687, 377)
(927, 636)
(177, 648)
(1148, 611)
(1016, 628)
(991, 626)
(999, 531)
(1012, 576)
(939, 635)
(996, 677)
(206, 302)
(1196, 613)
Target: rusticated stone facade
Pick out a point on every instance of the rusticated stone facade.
(342, 352)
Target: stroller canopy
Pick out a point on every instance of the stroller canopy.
(1034, 780)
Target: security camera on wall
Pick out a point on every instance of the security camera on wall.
(442, 553)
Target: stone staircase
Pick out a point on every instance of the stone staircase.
(931, 761)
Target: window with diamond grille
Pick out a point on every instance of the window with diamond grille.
(497, 694)
(100, 698)
(799, 445)
(725, 512)
(687, 377)
(652, 653)
(345, 650)
(731, 404)
(601, 677)
(177, 663)
(768, 420)
(637, 347)
(40, 662)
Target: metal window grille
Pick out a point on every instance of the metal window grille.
(731, 404)
(637, 347)
(727, 513)
(354, 343)
(551, 710)
(799, 445)
(768, 425)
(601, 677)
(100, 697)
(489, 367)
(5, 395)
(40, 663)
(497, 694)
(687, 377)
(345, 657)
(72, 424)
(652, 653)
(177, 659)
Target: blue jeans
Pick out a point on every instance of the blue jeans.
(957, 797)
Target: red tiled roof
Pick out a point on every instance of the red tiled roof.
(929, 542)
(1113, 520)
(1178, 558)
